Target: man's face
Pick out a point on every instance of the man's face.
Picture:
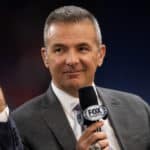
(72, 55)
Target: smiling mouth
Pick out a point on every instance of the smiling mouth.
(73, 72)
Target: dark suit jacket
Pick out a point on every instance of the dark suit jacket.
(9, 137)
(43, 125)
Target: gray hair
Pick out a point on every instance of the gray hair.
(71, 14)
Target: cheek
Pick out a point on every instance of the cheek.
(92, 61)
(55, 65)
(93, 65)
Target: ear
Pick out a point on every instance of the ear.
(44, 54)
(101, 55)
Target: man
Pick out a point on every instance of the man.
(73, 51)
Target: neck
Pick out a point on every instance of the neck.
(73, 91)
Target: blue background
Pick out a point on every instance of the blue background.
(126, 32)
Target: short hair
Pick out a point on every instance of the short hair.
(71, 14)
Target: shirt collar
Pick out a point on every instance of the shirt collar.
(67, 101)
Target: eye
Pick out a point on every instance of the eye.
(58, 50)
(83, 49)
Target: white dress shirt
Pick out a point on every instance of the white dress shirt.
(68, 102)
(4, 115)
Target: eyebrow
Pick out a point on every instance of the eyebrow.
(59, 45)
(65, 46)
(83, 44)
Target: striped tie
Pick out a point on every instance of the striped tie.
(78, 121)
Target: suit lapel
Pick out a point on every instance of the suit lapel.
(117, 116)
(56, 120)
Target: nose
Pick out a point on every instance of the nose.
(72, 58)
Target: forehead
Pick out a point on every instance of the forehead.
(76, 31)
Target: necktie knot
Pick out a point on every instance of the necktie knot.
(77, 108)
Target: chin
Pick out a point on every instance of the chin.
(75, 85)
(78, 86)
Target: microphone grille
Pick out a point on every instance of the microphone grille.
(87, 97)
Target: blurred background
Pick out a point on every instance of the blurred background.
(125, 28)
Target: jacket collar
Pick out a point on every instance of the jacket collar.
(55, 118)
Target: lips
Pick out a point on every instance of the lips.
(73, 75)
(72, 72)
(69, 71)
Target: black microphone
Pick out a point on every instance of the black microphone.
(92, 112)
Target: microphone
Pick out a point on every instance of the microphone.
(92, 112)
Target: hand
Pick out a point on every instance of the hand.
(2, 101)
(90, 137)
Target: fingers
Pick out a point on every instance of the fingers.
(91, 129)
(2, 100)
(91, 137)
(100, 145)
(97, 136)
(107, 148)
(103, 144)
